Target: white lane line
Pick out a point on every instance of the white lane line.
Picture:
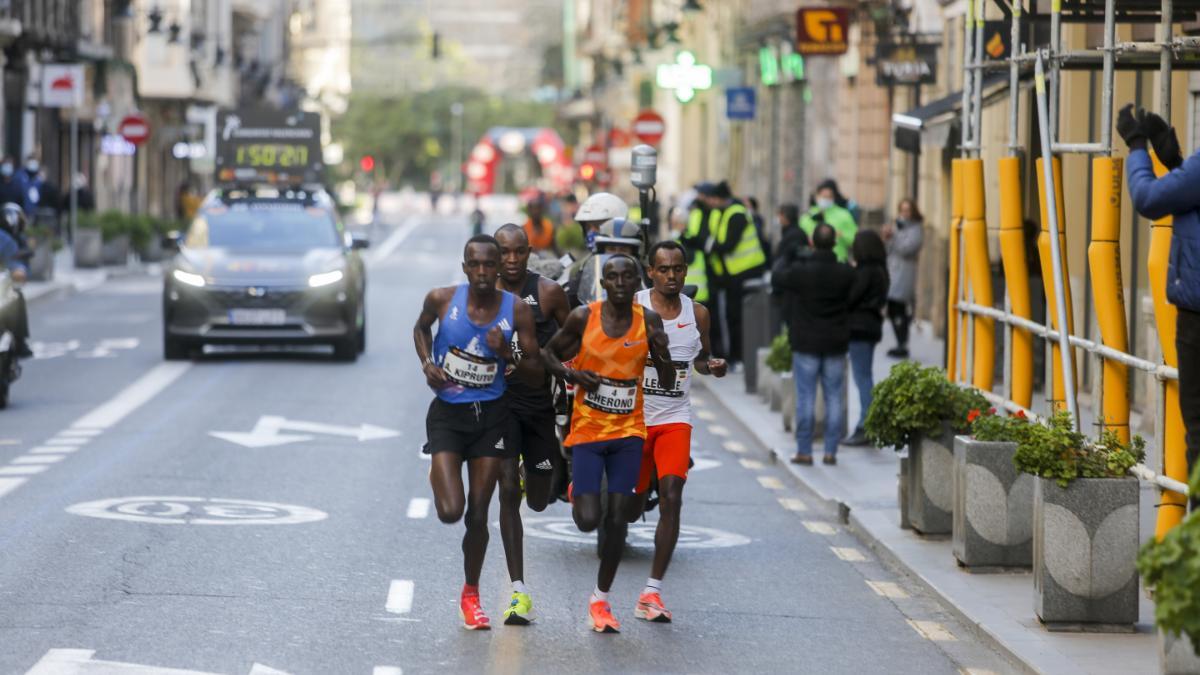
(68, 441)
(400, 596)
(734, 446)
(27, 470)
(706, 415)
(418, 507)
(394, 240)
(53, 449)
(699, 402)
(792, 504)
(770, 482)
(38, 459)
(718, 430)
(134, 396)
(387, 670)
(887, 589)
(817, 527)
(932, 630)
(80, 432)
(9, 484)
(848, 554)
(752, 464)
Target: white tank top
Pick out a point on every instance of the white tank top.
(667, 407)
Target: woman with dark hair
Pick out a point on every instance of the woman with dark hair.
(867, 299)
(904, 238)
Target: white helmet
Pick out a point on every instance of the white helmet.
(620, 232)
(601, 207)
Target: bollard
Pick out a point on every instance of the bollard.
(983, 346)
(1016, 280)
(953, 292)
(1104, 259)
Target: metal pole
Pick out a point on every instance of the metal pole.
(74, 170)
(1106, 91)
(1014, 80)
(977, 85)
(1060, 300)
(1055, 74)
(967, 138)
(1164, 61)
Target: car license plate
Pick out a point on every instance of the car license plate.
(257, 317)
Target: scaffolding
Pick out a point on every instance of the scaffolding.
(971, 314)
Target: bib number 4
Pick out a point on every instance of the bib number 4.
(616, 397)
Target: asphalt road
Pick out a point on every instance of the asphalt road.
(120, 545)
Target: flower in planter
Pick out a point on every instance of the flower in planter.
(1055, 450)
(1171, 566)
(989, 426)
(915, 400)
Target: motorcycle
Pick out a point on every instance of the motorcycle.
(10, 367)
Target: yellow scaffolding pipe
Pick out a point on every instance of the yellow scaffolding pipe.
(1016, 280)
(1057, 390)
(953, 294)
(983, 347)
(1104, 259)
(1174, 459)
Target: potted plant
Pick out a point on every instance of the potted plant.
(1171, 567)
(777, 361)
(116, 230)
(43, 243)
(918, 408)
(993, 502)
(87, 244)
(1085, 523)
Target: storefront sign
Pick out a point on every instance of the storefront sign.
(62, 85)
(823, 31)
(905, 64)
(740, 103)
(268, 145)
(115, 145)
(685, 76)
(780, 64)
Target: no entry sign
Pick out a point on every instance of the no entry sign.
(135, 128)
(596, 156)
(649, 127)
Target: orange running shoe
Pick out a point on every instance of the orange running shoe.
(602, 619)
(472, 613)
(650, 607)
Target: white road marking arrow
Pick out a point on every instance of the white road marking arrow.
(80, 662)
(268, 430)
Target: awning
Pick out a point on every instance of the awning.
(937, 122)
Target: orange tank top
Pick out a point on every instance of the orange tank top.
(541, 237)
(615, 409)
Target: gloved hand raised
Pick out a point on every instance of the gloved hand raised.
(1129, 125)
(1163, 139)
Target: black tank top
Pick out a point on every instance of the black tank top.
(523, 397)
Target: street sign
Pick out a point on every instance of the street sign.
(596, 156)
(686, 76)
(823, 31)
(62, 85)
(135, 128)
(268, 430)
(905, 64)
(268, 145)
(739, 103)
(649, 127)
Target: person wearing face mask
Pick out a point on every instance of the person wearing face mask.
(825, 201)
(34, 182)
(13, 185)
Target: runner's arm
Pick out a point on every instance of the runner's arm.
(431, 310)
(564, 346)
(528, 369)
(705, 364)
(660, 349)
(554, 301)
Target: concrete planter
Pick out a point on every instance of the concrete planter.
(152, 252)
(1176, 655)
(902, 493)
(930, 484)
(41, 264)
(760, 367)
(993, 506)
(87, 247)
(1085, 544)
(788, 405)
(115, 251)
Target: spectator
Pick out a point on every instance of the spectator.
(13, 189)
(790, 234)
(539, 228)
(867, 300)
(828, 202)
(759, 226)
(85, 200)
(736, 257)
(817, 291)
(904, 238)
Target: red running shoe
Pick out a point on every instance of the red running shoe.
(650, 607)
(472, 613)
(600, 613)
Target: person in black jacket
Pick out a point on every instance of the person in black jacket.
(817, 289)
(868, 297)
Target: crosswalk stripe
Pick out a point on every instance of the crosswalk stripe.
(53, 450)
(932, 630)
(26, 470)
(817, 527)
(400, 596)
(7, 485)
(848, 554)
(38, 459)
(752, 464)
(887, 589)
(793, 504)
(770, 482)
(418, 507)
(718, 430)
(734, 446)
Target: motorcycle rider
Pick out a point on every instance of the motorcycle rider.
(13, 253)
(617, 236)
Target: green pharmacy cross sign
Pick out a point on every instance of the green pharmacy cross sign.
(685, 76)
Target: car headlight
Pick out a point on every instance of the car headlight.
(188, 278)
(324, 279)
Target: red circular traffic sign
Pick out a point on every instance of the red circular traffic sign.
(649, 127)
(135, 128)
(596, 156)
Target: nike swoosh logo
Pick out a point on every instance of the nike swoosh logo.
(682, 325)
(635, 342)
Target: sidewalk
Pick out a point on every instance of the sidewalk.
(864, 482)
(68, 279)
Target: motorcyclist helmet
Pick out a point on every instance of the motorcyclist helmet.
(619, 235)
(12, 216)
(601, 207)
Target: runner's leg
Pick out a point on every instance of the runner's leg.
(666, 535)
(483, 473)
(616, 529)
(446, 479)
(511, 530)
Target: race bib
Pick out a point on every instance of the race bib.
(469, 370)
(650, 380)
(617, 397)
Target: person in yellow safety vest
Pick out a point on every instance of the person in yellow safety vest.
(829, 203)
(694, 238)
(735, 256)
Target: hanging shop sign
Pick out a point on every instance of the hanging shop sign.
(779, 64)
(685, 77)
(905, 64)
(62, 85)
(823, 31)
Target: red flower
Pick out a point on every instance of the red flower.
(991, 411)
(1020, 414)
(973, 415)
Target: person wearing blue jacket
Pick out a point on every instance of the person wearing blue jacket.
(13, 251)
(1175, 194)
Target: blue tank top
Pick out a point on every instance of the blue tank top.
(460, 347)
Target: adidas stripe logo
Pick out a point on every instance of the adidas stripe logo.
(544, 465)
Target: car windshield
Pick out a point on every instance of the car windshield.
(263, 227)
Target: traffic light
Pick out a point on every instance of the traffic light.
(587, 172)
(367, 163)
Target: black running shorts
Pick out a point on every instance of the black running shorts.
(533, 435)
(469, 429)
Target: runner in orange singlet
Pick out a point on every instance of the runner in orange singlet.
(609, 341)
